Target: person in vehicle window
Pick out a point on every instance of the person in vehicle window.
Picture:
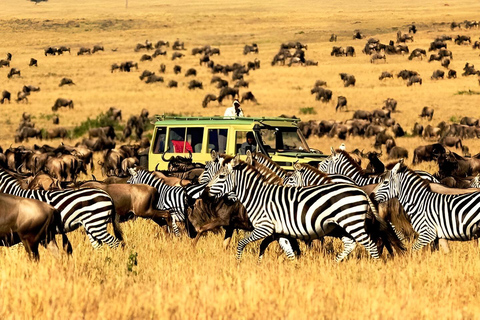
(234, 110)
(250, 144)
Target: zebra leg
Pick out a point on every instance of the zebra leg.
(360, 235)
(286, 245)
(95, 244)
(348, 245)
(399, 233)
(99, 233)
(262, 231)
(175, 228)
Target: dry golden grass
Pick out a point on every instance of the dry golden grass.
(172, 279)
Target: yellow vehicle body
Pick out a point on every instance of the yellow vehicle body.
(279, 138)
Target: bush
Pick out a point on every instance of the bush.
(307, 110)
(101, 120)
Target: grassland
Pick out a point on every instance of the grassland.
(171, 279)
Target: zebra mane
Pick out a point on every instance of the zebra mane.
(404, 169)
(311, 168)
(11, 175)
(267, 175)
(352, 162)
(263, 158)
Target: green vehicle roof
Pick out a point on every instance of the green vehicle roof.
(176, 120)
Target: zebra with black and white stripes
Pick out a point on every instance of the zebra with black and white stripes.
(340, 162)
(446, 216)
(90, 208)
(170, 198)
(304, 213)
(306, 175)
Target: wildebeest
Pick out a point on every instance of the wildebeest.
(414, 79)
(30, 222)
(333, 38)
(161, 43)
(4, 63)
(228, 91)
(12, 72)
(454, 25)
(191, 72)
(193, 84)
(437, 74)
(146, 57)
(146, 74)
(241, 83)
(378, 56)
(445, 63)
(177, 55)
(107, 131)
(209, 97)
(406, 74)
(341, 103)
(159, 52)
(337, 51)
(417, 53)
(324, 95)
(248, 96)
(62, 102)
(97, 48)
(375, 166)
(427, 112)
(163, 67)
(55, 119)
(172, 84)
(177, 69)
(22, 96)
(178, 45)
(28, 132)
(83, 51)
(469, 121)
(33, 62)
(114, 114)
(437, 44)
(66, 81)
(462, 40)
(154, 78)
(358, 35)
(362, 114)
(320, 83)
(350, 51)
(57, 133)
(30, 88)
(384, 75)
(390, 104)
(429, 152)
(452, 74)
(348, 79)
(50, 51)
(451, 142)
(417, 129)
(250, 48)
(5, 96)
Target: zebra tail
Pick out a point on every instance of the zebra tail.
(116, 225)
(59, 227)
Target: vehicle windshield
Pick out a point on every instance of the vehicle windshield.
(282, 139)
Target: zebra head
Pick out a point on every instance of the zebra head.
(328, 165)
(296, 178)
(224, 181)
(475, 183)
(135, 176)
(389, 186)
(211, 168)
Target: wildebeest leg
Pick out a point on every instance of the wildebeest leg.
(228, 237)
(207, 227)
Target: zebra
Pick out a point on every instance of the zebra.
(433, 215)
(338, 210)
(170, 198)
(340, 162)
(267, 162)
(475, 183)
(306, 175)
(90, 208)
(211, 167)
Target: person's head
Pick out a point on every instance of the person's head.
(250, 138)
(236, 104)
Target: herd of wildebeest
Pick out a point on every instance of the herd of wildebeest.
(58, 168)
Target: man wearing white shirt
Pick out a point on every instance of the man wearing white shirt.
(234, 110)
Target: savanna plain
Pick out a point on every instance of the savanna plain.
(157, 276)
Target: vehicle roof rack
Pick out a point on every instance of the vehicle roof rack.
(164, 117)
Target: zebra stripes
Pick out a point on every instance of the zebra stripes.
(305, 175)
(90, 208)
(170, 198)
(451, 217)
(340, 162)
(303, 213)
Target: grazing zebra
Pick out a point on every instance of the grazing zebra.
(170, 198)
(446, 216)
(90, 208)
(338, 210)
(340, 162)
(306, 175)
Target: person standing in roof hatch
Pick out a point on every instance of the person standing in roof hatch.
(234, 110)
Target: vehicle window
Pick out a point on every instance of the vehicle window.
(177, 142)
(159, 143)
(195, 138)
(245, 140)
(281, 139)
(217, 140)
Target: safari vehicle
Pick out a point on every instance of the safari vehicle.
(279, 138)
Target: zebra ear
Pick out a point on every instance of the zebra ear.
(132, 172)
(236, 160)
(296, 166)
(332, 150)
(214, 155)
(397, 167)
(249, 159)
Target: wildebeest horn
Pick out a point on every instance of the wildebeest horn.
(156, 167)
(94, 178)
(190, 154)
(163, 155)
